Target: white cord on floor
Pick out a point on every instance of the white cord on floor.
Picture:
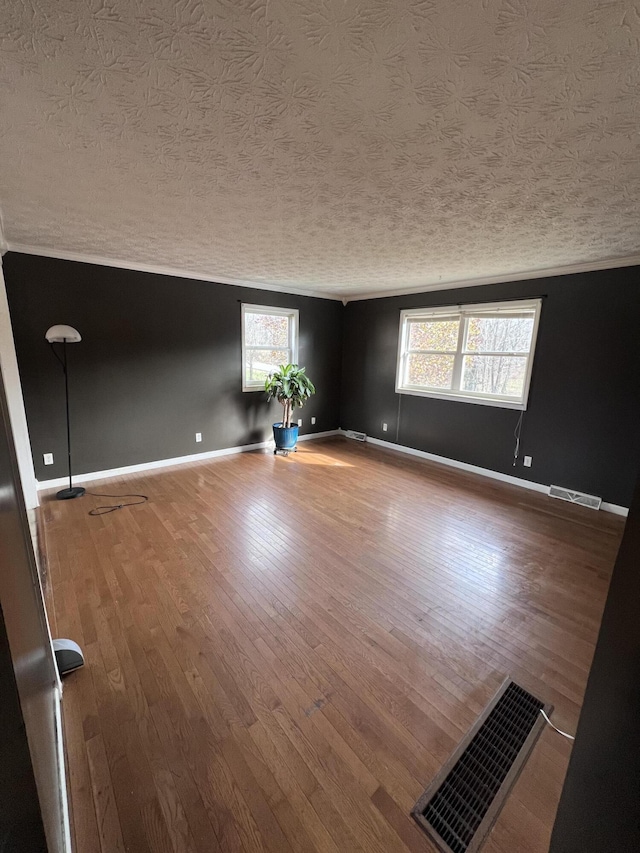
(560, 732)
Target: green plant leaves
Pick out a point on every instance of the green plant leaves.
(290, 383)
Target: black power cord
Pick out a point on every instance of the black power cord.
(516, 434)
(103, 510)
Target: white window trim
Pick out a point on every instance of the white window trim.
(454, 311)
(294, 318)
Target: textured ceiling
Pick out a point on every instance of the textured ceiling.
(344, 147)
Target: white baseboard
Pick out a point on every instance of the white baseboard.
(616, 509)
(65, 829)
(230, 451)
(166, 463)
(484, 472)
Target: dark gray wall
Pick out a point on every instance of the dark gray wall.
(159, 361)
(581, 425)
(599, 810)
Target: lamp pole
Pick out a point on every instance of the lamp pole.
(63, 335)
(77, 491)
(66, 397)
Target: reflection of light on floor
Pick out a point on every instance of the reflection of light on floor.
(474, 554)
(312, 457)
(260, 510)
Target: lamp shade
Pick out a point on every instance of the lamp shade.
(58, 334)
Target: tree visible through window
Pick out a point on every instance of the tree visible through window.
(269, 339)
(478, 353)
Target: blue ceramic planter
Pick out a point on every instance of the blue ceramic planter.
(285, 437)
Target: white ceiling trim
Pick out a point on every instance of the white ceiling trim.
(548, 272)
(524, 275)
(80, 257)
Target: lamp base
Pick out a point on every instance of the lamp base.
(67, 494)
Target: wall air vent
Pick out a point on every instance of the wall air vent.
(358, 436)
(562, 494)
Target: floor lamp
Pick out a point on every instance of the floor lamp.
(65, 335)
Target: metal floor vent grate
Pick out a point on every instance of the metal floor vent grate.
(460, 806)
(592, 501)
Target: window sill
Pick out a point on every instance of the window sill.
(463, 398)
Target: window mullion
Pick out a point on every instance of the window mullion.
(495, 354)
(457, 359)
(262, 346)
(404, 352)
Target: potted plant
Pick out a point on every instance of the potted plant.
(292, 387)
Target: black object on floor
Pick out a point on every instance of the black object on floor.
(462, 803)
(69, 656)
(103, 510)
(70, 493)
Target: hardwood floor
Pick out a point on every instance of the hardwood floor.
(281, 653)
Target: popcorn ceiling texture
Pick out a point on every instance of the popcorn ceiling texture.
(339, 146)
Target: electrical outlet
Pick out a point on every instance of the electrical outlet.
(313, 420)
(198, 436)
(48, 458)
(299, 422)
(527, 461)
(384, 427)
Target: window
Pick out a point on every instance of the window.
(269, 339)
(474, 353)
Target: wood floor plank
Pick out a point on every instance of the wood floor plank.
(315, 829)
(108, 821)
(281, 653)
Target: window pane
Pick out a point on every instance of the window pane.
(440, 335)
(494, 374)
(499, 334)
(430, 371)
(261, 362)
(266, 330)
